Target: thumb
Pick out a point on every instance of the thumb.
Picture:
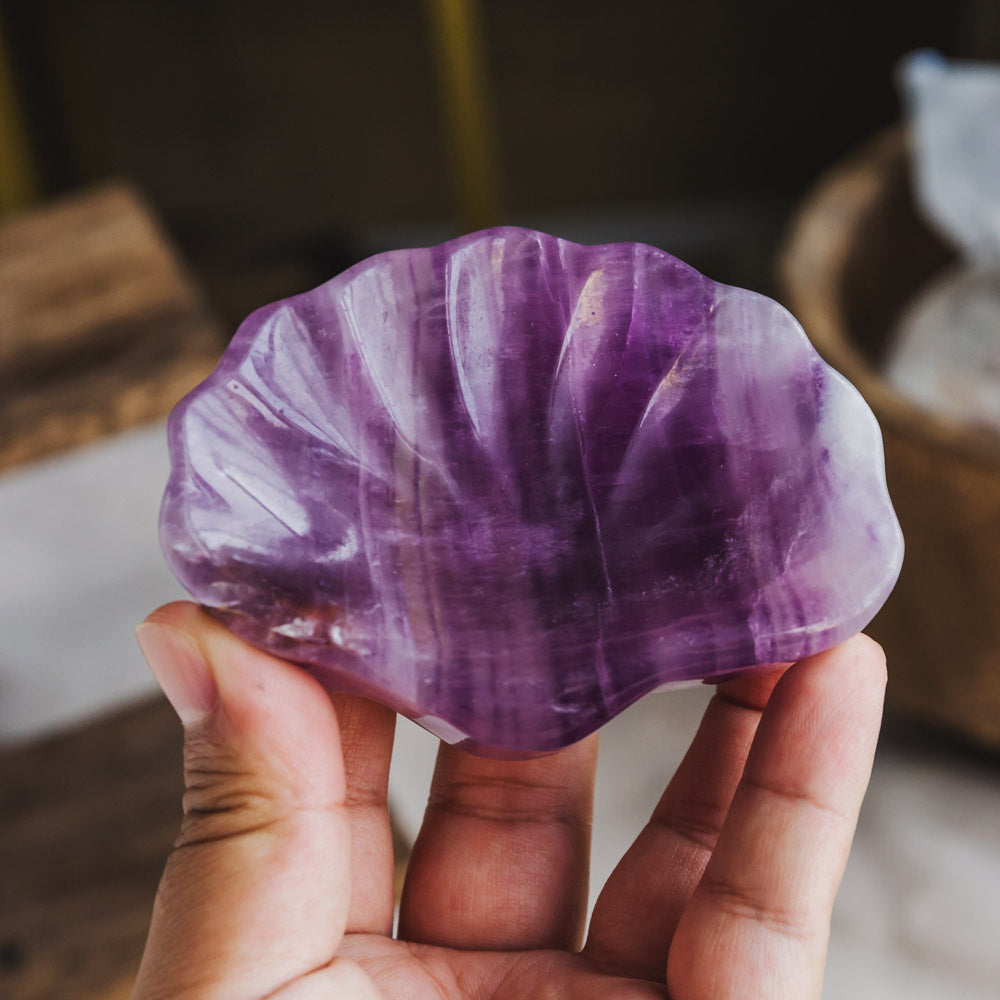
(255, 894)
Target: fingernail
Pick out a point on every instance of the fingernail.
(180, 669)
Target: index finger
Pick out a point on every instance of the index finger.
(758, 923)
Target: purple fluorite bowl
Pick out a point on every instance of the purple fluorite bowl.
(509, 484)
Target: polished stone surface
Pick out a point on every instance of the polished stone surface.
(510, 484)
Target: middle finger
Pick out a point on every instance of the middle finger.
(502, 857)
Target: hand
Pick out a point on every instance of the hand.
(280, 885)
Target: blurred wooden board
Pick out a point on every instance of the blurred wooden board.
(101, 329)
(87, 819)
(86, 822)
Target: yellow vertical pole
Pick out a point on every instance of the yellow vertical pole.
(18, 186)
(458, 48)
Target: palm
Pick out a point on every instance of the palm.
(424, 972)
(283, 885)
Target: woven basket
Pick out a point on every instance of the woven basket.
(855, 256)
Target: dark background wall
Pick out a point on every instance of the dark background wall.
(276, 136)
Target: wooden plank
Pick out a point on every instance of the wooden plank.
(77, 275)
(87, 821)
(100, 327)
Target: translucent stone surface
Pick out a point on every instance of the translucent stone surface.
(510, 484)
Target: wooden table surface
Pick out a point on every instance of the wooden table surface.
(86, 821)
(101, 326)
